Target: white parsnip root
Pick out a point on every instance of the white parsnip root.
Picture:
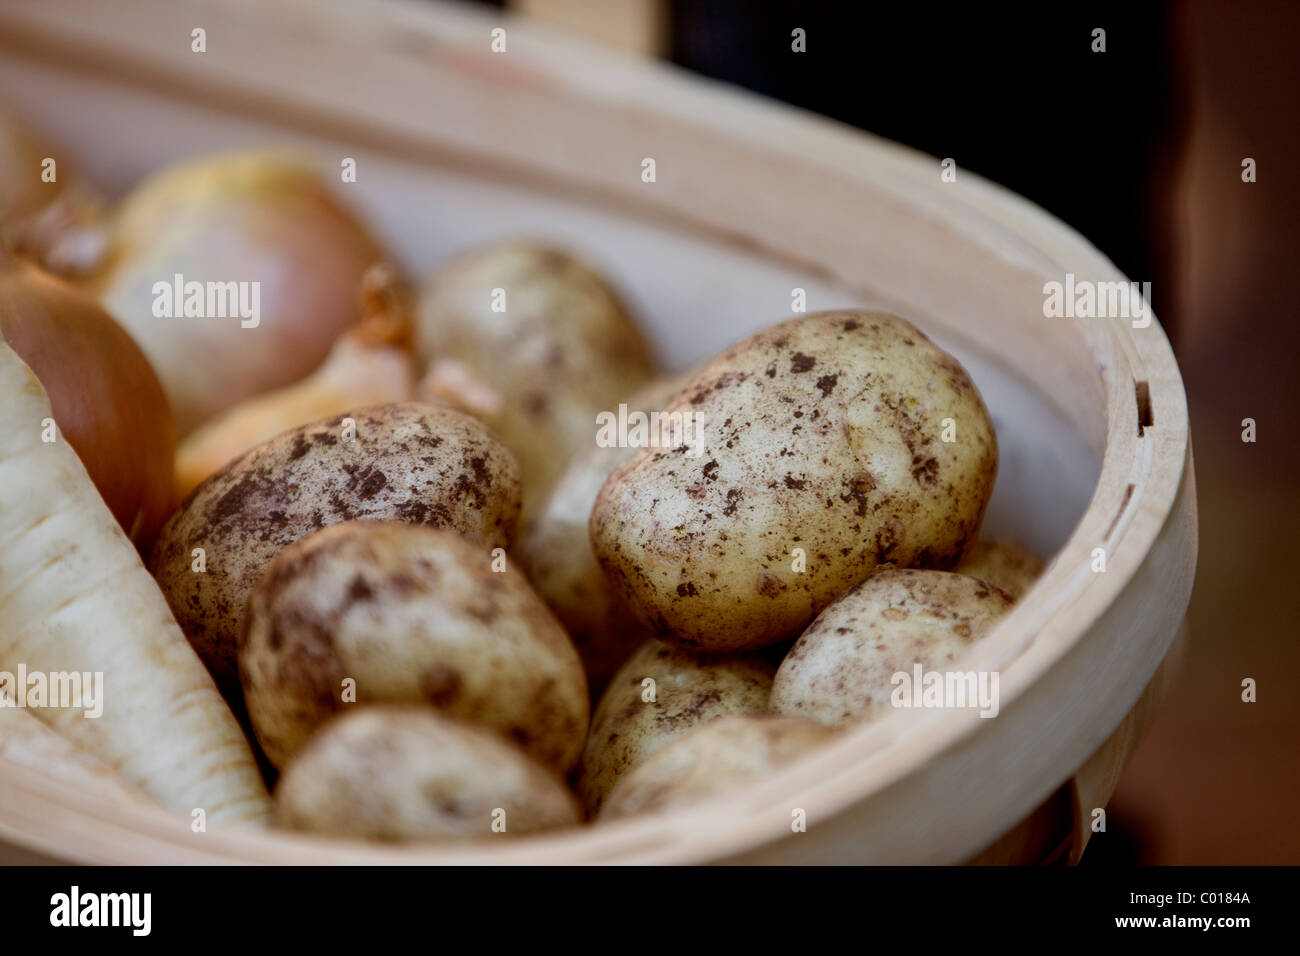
(74, 597)
(27, 742)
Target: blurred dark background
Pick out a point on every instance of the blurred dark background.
(1139, 148)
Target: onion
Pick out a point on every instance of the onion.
(108, 403)
(245, 218)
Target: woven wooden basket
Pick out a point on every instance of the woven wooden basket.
(456, 145)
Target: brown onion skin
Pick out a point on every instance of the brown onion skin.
(107, 401)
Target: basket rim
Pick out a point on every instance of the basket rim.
(1026, 645)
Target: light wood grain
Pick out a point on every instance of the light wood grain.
(787, 190)
(638, 26)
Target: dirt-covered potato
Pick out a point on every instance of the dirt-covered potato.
(1001, 563)
(635, 718)
(835, 444)
(397, 613)
(709, 759)
(409, 774)
(840, 670)
(556, 552)
(535, 343)
(412, 462)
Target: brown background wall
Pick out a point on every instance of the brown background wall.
(1218, 780)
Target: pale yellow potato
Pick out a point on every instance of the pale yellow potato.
(823, 434)
(1001, 563)
(840, 670)
(394, 613)
(409, 774)
(688, 689)
(564, 349)
(413, 462)
(712, 758)
(556, 552)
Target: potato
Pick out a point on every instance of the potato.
(407, 614)
(423, 464)
(824, 461)
(714, 757)
(407, 773)
(1002, 564)
(839, 671)
(688, 689)
(536, 360)
(556, 553)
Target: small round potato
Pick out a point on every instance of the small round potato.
(712, 758)
(423, 464)
(1003, 564)
(835, 445)
(398, 613)
(688, 690)
(840, 670)
(556, 553)
(535, 343)
(407, 774)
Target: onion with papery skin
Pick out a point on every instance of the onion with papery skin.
(369, 365)
(242, 218)
(108, 403)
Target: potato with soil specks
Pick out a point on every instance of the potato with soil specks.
(710, 759)
(556, 553)
(422, 464)
(535, 343)
(1002, 564)
(824, 434)
(408, 774)
(409, 614)
(840, 670)
(688, 689)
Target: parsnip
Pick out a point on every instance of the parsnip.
(27, 742)
(74, 596)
